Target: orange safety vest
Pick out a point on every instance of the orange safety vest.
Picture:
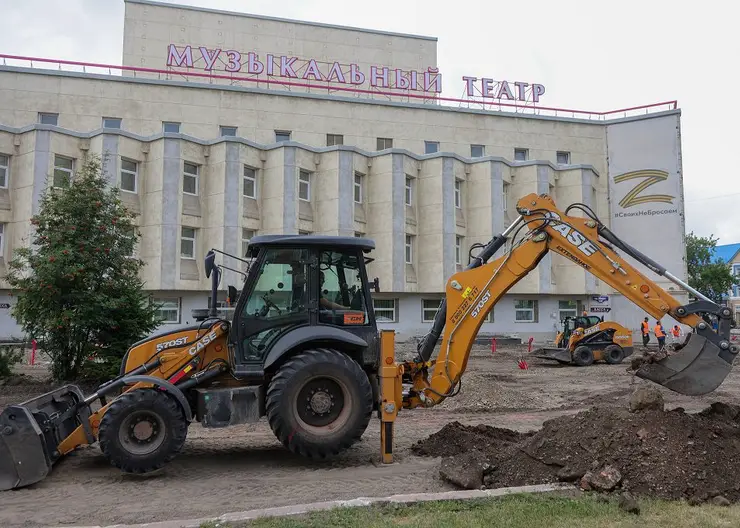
(659, 331)
(645, 328)
(676, 332)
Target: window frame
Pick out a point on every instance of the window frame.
(193, 239)
(434, 144)
(331, 140)
(458, 194)
(567, 157)
(359, 187)
(287, 133)
(6, 166)
(522, 150)
(246, 240)
(223, 128)
(62, 169)
(425, 309)
(190, 175)
(177, 301)
(166, 123)
(385, 140)
(43, 115)
(482, 150)
(306, 182)
(458, 250)
(135, 173)
(561, 318)
(533, 309)
(246, 178)
(120, 123)
(408, 196)
(408, 252)
(394, 319)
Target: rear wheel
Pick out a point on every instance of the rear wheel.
(142, 430)
(583, 356)
(319, 403)
(614, 354)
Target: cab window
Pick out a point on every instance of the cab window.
(341, 297)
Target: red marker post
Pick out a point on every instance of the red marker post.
(493, 345)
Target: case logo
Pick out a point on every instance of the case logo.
(204, 341)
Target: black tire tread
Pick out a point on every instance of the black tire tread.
(577, 359)
(608, 358)
(108, 435)
(279, 384)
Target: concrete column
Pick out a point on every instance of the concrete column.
(231, 235)
(41, 162)
(290, 199)
(171, 189)
(399, 224)
(345, 177)
(109, 157)
(498, 215)
(545, 266)
(587, 182)
(448, 218)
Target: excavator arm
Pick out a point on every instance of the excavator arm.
(704, 359)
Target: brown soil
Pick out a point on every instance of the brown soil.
(241, 468)
(663, 454)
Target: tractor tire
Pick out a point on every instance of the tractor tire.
(583, 356)
(142, 431)
(319, 403)
(614, 354)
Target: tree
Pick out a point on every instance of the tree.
(711, 278)
(77, 286)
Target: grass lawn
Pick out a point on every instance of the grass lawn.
(514, 511)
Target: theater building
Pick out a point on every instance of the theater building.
(218, 126)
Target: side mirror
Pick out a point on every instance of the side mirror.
(210, 262)
(231, 299)
(376, 284)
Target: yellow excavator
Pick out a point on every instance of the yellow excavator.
(303, 349)
(586, 339)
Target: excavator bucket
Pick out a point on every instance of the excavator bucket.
(698, 368)
(561, 355)
(30, 433)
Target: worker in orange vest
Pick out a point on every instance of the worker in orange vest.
(659, 334)
(676, 331)
(645, 328)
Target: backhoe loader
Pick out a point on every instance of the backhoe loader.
(586, 339)
(303, 349)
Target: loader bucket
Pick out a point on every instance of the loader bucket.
(698, 368)
(558, 354)
(30, 433)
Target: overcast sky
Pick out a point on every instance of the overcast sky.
(589, 56)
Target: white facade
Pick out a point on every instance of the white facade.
(208, 162)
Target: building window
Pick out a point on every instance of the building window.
(282, 135)
(48, 119)
(385, 310)
(429, 309)
(385, 143)
(524, 311)
(63, 171)
(168, 310)
(190, 179)
(2, 240)
(112, 122)
(409, 190)
(430, 147)
(187, 243)
(563, 158)
(227, 131)
(250, 182)
(567, 309)
(304, 233)
(129, 175)
(358, 187)
(521, 154)
(171, 127)
(458, 194)
(359, 235)
(247, 235)
(458, 250)
(409, 249)
(304, 186)
(505, 203)
(477, 151)
(334, 139)
(4, 165)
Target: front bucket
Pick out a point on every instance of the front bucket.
(30, 433)
(699, 368)
(558, 354)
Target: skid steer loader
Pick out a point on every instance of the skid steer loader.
(587, 339)
(303, 349)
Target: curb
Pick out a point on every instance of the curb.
(300, 509)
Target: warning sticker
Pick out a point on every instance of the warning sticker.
(356, 318)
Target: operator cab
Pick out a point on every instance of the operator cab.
(295, 284)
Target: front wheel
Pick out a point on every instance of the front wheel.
(614, 354)
(319, 403)
(583, 356)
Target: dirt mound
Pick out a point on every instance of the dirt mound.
(670, 455)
